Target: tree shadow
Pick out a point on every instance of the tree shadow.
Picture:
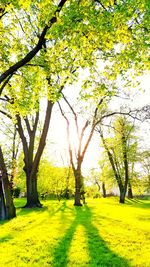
(51, 209)
(133, 200)
(6, 238)
(25, 211)
(59, 208)
(138, 203)
(99, 252)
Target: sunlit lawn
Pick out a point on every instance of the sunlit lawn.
(102, 233)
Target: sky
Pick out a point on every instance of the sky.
(56, 148)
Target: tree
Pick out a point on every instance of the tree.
(7, 170)
(7, 74)
(31, 161)
(85, 30)
(2, 202)
(76, 159)
(106, 174)
(98, 178)
(20, 103)
(121, 151)
(7, 207)
(91, 25)
(10, 150)
(15, 150)
(58, 181)
(84, 136)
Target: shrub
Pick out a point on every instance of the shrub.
(16, 191)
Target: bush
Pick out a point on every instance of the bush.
(16, 191)
(97, 195)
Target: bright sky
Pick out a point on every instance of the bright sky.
(57, 141)
(57, 148)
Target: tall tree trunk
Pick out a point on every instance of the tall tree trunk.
(2, 204)
(98, 185)
(78, 186)
(117, 175)
(122, 194)
(125, 160)
(122, 197)
(13, 174)
(130, 194)
(32, 192)
(103, 189)
(10, 208)
(15, 150)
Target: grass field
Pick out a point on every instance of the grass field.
(102, 233)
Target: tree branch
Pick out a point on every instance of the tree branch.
(42, 141)
(6, 114)
(28, 125)
(5, 83)
(36, 49)
(68, 136)
(99, 2)
(23, 139)
(75, 115)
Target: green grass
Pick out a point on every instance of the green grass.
(102, 233)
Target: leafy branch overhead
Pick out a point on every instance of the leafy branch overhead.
(86, 30)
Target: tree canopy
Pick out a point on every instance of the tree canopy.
(86, 30)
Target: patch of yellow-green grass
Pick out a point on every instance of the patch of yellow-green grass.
(102, 233)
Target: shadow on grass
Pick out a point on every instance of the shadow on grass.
(51, 209)
(25, 211)
(145, 204)
(61, 207)
(99, 252)
(5, 238)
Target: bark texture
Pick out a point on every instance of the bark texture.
(6, 190)
(103, 189)
(2, 203)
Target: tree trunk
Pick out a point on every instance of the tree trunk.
(77, 200)
(125, 159)
(2, 204)
(32, 192)
(122, 196)
(103, 189)
(130, 194)
(115, 171)
(13, 174)
(10, 208)
(78, 178)
(97, 183)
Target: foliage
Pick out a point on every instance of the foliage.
(16, 191)
(54, 180)
(103, 233)
(82, 31)
(9, 142)
(92, 191)
(123, 140)
(44, 46)
(106, 174)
